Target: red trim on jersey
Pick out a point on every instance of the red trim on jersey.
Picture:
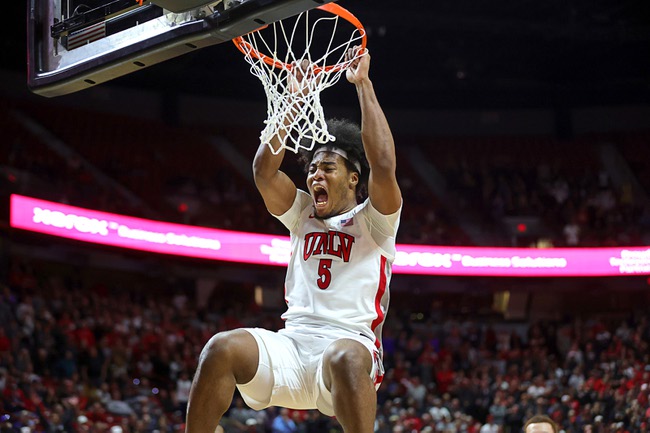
(380, 294)
(379, 378)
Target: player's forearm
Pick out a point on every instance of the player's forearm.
(377, 137)
(266, 164)
(277, 190)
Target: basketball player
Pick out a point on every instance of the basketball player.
(329, 355)
(540, 424)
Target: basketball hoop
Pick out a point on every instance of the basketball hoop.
(294, 110)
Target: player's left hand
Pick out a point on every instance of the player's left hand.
(360, 65)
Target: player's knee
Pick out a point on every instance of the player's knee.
(344, 359)
(216, 347)
(236, 348)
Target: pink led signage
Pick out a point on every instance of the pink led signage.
(166, 238)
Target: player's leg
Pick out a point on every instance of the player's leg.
(347, 367)
(227, 359)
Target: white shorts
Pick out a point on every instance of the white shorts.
(290, 368)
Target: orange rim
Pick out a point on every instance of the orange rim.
(332, 8)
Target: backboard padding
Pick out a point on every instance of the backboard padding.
(53, 70)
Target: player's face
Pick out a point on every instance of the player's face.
(331, 185)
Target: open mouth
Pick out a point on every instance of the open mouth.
(320, 197)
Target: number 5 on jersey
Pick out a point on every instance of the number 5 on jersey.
(324, 273)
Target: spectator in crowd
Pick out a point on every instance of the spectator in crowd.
(540, 424)
(490, 426)
(283, 423)
(242, 419)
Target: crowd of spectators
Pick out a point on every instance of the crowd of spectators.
(564, 185)
(83, 354)
(570, 192)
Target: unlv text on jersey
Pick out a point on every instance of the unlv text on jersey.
(332, 243)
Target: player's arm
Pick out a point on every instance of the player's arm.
(276, 188)
(378, 143)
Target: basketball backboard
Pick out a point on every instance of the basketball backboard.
(77, 44)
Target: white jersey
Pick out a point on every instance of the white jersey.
(340, 268)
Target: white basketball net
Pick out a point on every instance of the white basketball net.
(295, 113)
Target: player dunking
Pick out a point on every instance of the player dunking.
(329, 355)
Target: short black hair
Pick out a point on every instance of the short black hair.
(348, 138)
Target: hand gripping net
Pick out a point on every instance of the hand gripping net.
(294, 109)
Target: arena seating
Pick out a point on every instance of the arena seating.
(106, 351)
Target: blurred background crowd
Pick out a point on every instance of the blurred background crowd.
(102, 353)
(526, 190)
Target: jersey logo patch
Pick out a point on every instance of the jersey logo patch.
(332, 243)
